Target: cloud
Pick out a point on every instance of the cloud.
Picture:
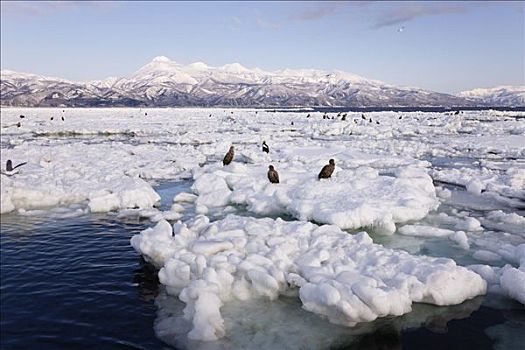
(36, 8)
(383, 14)
(267, 24)
(319, 11)
(403, 13)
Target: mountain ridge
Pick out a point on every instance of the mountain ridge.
(166, 83)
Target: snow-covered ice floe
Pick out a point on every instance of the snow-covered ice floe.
(351, 199)
(506, 280)
(106, 177)
(345, 278)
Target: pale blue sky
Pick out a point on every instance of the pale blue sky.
(444, 46)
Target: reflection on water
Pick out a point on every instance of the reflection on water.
(283, 324)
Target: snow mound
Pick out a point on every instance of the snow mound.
(344, 277)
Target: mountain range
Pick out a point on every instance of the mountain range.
(165, 83)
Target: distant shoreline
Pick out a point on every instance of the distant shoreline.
(301, 109)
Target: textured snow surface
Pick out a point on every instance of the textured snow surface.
(427, 188)
(107, 176)
(350, 199)
(343, 277)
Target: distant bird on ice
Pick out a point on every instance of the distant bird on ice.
(63, 118)
(327, 170)
(52, 118)
(228, 157)
(9, 167)
(18, 124)
(363, 116)
(22, 116)
(273, 176)
(265, 147)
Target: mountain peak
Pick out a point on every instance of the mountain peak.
(199, 65)
(161, 59)
(235, 68)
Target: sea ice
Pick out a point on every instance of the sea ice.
(351, 199)
(346, 278)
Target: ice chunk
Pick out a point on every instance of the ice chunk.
(513, 283)
(461, 239)
(156, 243)
(347, 278)
(474, 186)
(511, 222)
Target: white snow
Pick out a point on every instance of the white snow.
(350, 199)
(343, 277)
(507, 280)
(439, 184)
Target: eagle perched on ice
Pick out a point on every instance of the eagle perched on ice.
(273, 176)
(228, 157)
(327, 170)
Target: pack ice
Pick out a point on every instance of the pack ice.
(346, 278)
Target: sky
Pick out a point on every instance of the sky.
(440, 46)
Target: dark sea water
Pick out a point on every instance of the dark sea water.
(77, 283)
(74, 284)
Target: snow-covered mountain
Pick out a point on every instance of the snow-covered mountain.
(498, 96)
(163, 82)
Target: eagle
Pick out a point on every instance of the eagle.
(327, 170)
(228, 157)
(273, 176)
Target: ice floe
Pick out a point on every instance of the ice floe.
(351, 199)
(507, 280)
(346, 278)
